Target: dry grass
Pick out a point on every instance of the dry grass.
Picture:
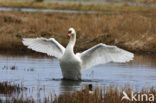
(109, 94)
(8, 88)
(106, 95)
(133, 32)
(140, 1)
(87, 7)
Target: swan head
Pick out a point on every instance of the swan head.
(71, 32)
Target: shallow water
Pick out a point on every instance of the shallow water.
(76, 2)
(43, 74)
(104, 2)
(47, 10)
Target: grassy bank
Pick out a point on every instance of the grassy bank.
(133, 31)
(99, 95)
(87, 7)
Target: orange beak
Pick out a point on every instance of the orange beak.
(69, 34)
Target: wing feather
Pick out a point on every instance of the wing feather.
(102, 53)
(48, 46)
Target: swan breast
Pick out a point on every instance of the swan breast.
(71, 67)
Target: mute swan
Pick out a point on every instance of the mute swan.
(71, 64)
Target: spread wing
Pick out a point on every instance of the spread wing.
(101, 54)
(48, 46)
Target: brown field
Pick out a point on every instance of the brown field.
(109, 94)
(134, 32)
(85, 7)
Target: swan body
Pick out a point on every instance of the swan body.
(71, 64)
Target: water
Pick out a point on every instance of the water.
(47, 10)
(76, 2)
(44, 74)
(104, 2)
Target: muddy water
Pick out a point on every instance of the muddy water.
(43, 74)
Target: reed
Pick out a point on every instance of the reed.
(105, 95)
(8, 88)
(86, 7)
(108, 94)
(133, 31)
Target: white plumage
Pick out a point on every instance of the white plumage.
(72, 64)
(102, 53)
(49, 46)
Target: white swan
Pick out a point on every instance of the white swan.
(72, 64)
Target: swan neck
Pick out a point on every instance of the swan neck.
(72, 41)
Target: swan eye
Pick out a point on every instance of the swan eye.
(69, 32)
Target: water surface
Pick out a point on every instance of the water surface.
(47, 10)
(104, 2)
(44, 74)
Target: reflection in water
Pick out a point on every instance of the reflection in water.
(67, 85)
(39, 72)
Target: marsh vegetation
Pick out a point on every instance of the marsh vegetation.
(86, 7)
(8, 88)
(134, 32)
(108, 94)
(130, 27)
